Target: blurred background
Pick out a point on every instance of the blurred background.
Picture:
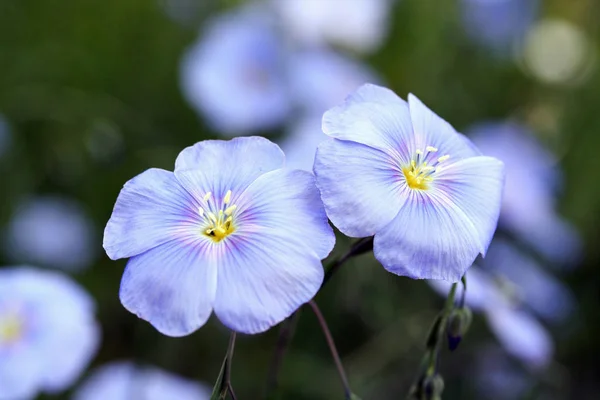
(94, 92)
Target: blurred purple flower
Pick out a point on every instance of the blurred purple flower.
(235, 75)
(229, 211)
(398, 171)
(498, 24)
(126, 381)
(534, 287)
(532, 180)
(48, 333)
(360, 25)
(519, 332)
(51, 231)
(320, 79)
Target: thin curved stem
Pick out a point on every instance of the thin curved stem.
(332, 348)
(231, 392)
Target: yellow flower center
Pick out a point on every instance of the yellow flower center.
(420, 172)
(219, 220)
(11, 328)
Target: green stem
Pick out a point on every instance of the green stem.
(332, 348)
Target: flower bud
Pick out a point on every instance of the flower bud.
(458, 324)
(432, 387)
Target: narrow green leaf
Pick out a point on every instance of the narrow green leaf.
(219, 390)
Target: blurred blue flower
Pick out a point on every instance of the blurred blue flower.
(235, 75)
(519, 332)
(320, 79)
(398, 171)
(496, 377)
(498, 24)
(229, 230)
(532, 180)
(534, 287)
(126, 381)
(5, 135)
(48, 333)
(316, 22)
(51, 231)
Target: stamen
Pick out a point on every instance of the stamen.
(229, 210)
(207, 196)
(212, 216)
(443, 158)
(201, 211)
(227, 198)
(431, 149)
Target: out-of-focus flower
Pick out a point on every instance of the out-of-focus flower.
(498, 24)
(360, 25)
(5, 135)
(126, 381)
(236, 73)
(532, 286)
(496, 377)
(244, 238)
(398, 171)
(51, 231)
(532, 180)
(320, 79)
(519, 332)
(48, 333)
(557, 51)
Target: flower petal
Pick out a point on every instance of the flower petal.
(360, 186)
(430, 238)
(151, 209)
(475, 186)
(376, 117)
(522, 336)
(172, 286)
(431, 130)
(235, 163)
(271, 265)
(262, 281)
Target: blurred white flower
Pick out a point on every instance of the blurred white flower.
(530, 191)
(51, 231)
(557, 51)
(48, 333)
(360, 25)
(235, 75)
(125, 381)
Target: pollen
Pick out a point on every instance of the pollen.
(420, 172)
(11, 328)
(217, 217)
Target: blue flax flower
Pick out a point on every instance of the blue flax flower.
(124, 380)
(48, 333)
(229, 230)
(235, 73)
(398, 171)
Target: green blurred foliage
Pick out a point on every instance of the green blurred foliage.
(73, 72)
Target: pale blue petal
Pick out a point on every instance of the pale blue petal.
(522, 336)
(474, 185)
(271, 265)
(301, 142)
(172, 286)
(430, 238)
(374, 116)
(286, 204)
(151, 209)
(232, 164)
(360, 186)
(431, 130)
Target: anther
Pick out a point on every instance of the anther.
(207, 196)
(227, 198)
